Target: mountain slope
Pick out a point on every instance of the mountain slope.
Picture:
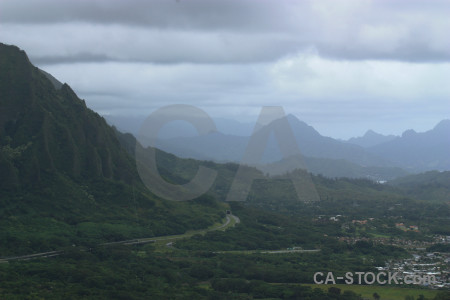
(333, 168)
(52, 130)
(64, 176)
(313, 144)
(432, 185)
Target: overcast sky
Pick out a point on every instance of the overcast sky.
(341, 66)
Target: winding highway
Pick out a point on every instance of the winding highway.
(231, 221)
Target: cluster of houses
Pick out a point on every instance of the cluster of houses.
(431, 269)
(403, 227)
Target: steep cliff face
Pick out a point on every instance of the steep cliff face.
(44, 129)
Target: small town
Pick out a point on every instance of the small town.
(428, 268)
(432, 268)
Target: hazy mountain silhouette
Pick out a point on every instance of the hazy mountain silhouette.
(423, 151)
(223, 147)
(321, 155)
(313, 144)
(414, 152)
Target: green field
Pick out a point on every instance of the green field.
(385, 292)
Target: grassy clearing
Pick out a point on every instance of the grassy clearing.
(377, 235)
(385, 292)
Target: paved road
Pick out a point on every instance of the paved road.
(132, 242)
(267, 251)
(178, 236)
(236, 221)
(169, 238)
(31, 256)
(291, 251)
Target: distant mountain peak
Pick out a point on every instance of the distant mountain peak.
(370, 132)
(371, 138)
(443, 125)
(409, 133)
(304, 127)
(292, 117)
(293, 120)
(296, 125)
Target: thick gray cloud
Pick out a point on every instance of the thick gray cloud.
(242, 30)
(342, 66)
(261, 15)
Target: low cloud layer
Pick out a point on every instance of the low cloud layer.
(237, 31)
